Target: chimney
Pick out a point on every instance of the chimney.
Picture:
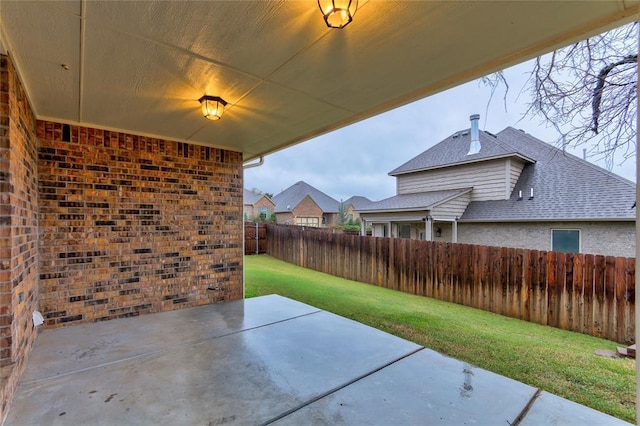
(474, 147)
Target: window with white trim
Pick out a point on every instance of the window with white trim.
(264, 213)
(565, 240)
(308, 221)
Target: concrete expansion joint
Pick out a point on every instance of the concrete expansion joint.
(339, 387)
(41, 382)
(526, 408)
(201, 341)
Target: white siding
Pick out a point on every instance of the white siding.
(516, 169)
(453, 208)
(488, 180)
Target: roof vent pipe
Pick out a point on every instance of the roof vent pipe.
(474, 147)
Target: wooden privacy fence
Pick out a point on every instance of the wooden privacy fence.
(255, 238)
(579, 292)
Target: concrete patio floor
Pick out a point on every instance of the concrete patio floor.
(266, 360)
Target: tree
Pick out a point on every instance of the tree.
(259, 192)
(588, 92)
(342, 214)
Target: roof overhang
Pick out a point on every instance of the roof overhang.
(140, 67)
(521, 157)
(417, 205)
(547, 220)
(415, 216)
(386, 211)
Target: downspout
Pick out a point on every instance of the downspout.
(244, 167)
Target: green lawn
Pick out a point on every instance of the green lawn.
(557, 361)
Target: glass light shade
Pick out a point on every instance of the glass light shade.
(212, 107)
(338, 13)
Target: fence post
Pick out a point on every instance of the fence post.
(257, 240)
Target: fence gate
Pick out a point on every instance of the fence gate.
(255, 238)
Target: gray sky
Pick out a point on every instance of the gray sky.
(356, 160)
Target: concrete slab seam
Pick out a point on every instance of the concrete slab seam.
(162, 350)
(339, 387)
(526, 408)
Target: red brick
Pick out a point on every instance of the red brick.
(18, 258)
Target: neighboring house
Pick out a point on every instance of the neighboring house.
(510, 190)
(257, 206)
(302, 204)
(353, 204)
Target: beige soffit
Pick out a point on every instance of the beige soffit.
(140, 67)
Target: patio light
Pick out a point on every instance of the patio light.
(212, 107)
(338, 13)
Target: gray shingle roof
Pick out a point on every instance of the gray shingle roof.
(293, 195)
(565, 187)
(453, 150)
(251, 197)
(416, 201)
(357, 201)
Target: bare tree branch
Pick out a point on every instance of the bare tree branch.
(596, 104)
(588, 92)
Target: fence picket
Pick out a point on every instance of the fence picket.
(578, 294)
(589, 305)
(599, 312)
(620, 266)
(629, 302)
(525, 286)
(610, 296)
(567, 294)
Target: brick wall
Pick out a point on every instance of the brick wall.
(251, 210)
(286, 218)
(606, 238)
(306, 208)
(132, 225)
(263, 202)
(18, 230)
(331, 219)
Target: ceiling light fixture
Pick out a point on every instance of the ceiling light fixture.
(212, 107)
(338, 13)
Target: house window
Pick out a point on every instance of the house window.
(565, 240)
(308, 221)
(405, 231)
(263, 213)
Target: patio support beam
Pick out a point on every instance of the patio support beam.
(428, 228)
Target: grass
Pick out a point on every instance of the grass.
(557, 361)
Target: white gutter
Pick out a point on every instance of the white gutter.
(258, 164)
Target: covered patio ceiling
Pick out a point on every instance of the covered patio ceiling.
(140, 67)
